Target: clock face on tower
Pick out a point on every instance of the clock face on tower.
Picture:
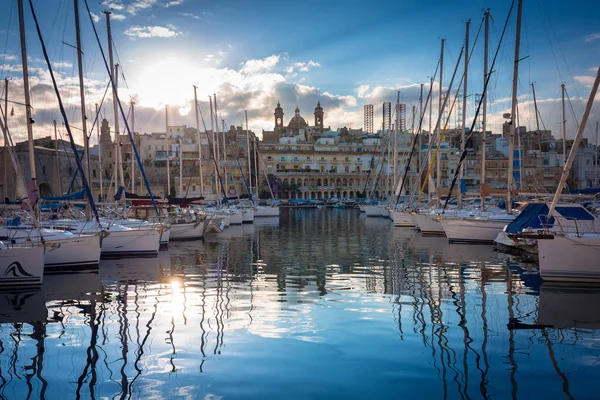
(278, 121)
(318, 121)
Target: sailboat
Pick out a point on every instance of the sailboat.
(60, 245)
(571, 256)
(483, 227)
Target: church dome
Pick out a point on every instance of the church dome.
(297, 122)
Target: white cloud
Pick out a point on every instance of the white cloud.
(591, 37)
(143, 32)
(305, 67)
(190, 15)
(113, 5)
(262, 65)
(586, 80)
(173, 3)
(133, 7)
(215, 58)
(62, 65)
(362, 90)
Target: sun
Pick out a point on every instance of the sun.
(170, 81)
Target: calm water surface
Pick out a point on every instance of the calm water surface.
(315, 304)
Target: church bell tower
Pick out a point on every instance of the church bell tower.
(319, 116)
(278, 119)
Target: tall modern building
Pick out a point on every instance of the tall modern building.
(387, 115)
(401, 117)
(368, 118)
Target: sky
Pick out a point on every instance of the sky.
(342, 53)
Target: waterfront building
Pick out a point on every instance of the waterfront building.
(314, 162)
(55, 168)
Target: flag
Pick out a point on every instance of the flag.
(12, 112)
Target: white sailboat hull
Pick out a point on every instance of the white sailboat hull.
(236, 217)
(64, 250)
(465, 230)
(248, 215)
(131, 243)
(262, 211)
(187, 230)
(371, 210)
(570, 258)
(79, 251)
(21, 266)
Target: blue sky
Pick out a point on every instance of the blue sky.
(342, 53)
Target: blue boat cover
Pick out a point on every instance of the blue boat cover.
(533, 216)
(119, 193)
(73, 196)
(16, 221)
(575, 213)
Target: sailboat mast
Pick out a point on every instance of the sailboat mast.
(438, 131)
(28, 118)
(100, 157)
(248, 144)
(167, 148)
(212, 133)
(86, 143)
(113, 71)
(58, 185)
(5, 158)
(564, 124)
(513, 111)
(484, 100)
(255, 153)
(216, 144)
(567, 168)
(225, 157)
(395, 143)
(181, 167)
(430, 184)
(133, 155)
(463, 145)
(199, 141)
(596, 158)
(420, 131)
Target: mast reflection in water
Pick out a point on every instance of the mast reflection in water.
(315, 304)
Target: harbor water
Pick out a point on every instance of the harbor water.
(315, 304)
